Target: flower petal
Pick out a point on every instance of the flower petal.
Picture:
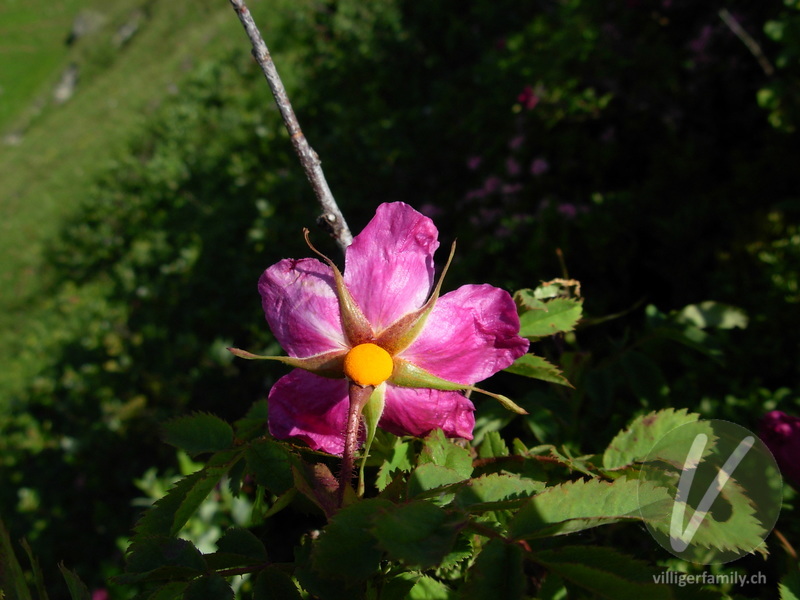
(472, 333)
(299, 300)
(312, 408)
(418, 411)
(389, 266)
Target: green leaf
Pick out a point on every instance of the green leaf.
(271, 465)
(162, 557)
(169, 591)
(606, 573)
(398, 587)
(347, 549)
(426, 479)
(12, 577)
(272, 583)
(77, 589)
(398, 460)
(371, 415)
(559, 315)
(713, 314)
(38, 576)
(198, 433)
(315, 583)
(209, 587)
(237, 540)
(418, 533)
(579, 505)
(638, 441)
(495, 491)
(789, 586)
(439, 450)
(536, 367)
(428, 588)
(683, 332)
(645, 378)
(169, 514)
(730, 529)
(526, 300)
(254, 423)
(492, 446)
(497, 573)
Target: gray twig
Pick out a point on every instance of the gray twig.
(331, 217)
(747, 40)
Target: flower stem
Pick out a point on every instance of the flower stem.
(359, 396)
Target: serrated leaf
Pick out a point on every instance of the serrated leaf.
(398, 587)
(430, 480)
(536, 367)
(428, 588)
(347, 549)
(209, 587)
(638, 441)
(254, 423)
(495, 491)
(497, 573)
(169, 591)
(526, 300)
(559, 315)
(77, 589)
(198, 433)
(313, 582)
(272, 584)
(492, 446)
(240, 541)
(418, 533)
(271, 465)
(789, 587)
(398, 460)
(162, 557)
(730, 528)
(439, 450)
(170, 513)
(605, 572)
(579, 505)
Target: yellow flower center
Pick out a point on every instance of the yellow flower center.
(368, 364)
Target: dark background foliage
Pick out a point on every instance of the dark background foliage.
(626, 135)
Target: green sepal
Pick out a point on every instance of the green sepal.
(398, 336)
(355, 325)
(328, 364)
(406, 374)
(371, 412)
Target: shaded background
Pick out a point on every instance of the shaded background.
(638, 146)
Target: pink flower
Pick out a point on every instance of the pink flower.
(383, 324)
(528, 98)
(781, 433)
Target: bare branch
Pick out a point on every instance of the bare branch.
(332, 218)
(747, 40)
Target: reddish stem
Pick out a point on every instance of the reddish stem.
(359, 396)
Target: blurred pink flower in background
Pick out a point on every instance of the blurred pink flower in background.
(528, 98)
(781, 433)
(473, 162)
(539, 166)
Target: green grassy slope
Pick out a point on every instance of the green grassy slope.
(47, 173)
